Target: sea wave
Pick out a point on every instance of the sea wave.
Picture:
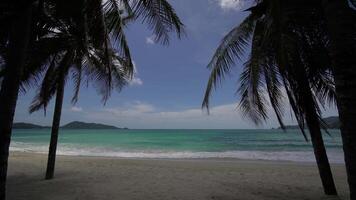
(77, 150)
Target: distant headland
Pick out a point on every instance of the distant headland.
(71, 125)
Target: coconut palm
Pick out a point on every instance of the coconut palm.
(70, 38)
(113, 18)
(15, 22)
(111, 21)
(157, 13)
(287, 42)
(93, 67)
(342, 28)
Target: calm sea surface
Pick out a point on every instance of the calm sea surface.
(243, 144)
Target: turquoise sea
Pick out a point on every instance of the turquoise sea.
(243, 144)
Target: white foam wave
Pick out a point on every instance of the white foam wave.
(296, 156)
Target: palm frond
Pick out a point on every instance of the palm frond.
(102, 78)
(160, 17)
(273, 86)
(232, 46)
(115, 27)
(50, 82)
(43, 52)
(77, 78)
(46, 91)
(253, 101)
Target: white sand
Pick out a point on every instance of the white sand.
(89, 178)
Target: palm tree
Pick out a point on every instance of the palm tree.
(16, 20)
(85, 49)
(284, 55)
(160, 16)
(112, 19)
(15, 36)
(342, 29)
(54, 82)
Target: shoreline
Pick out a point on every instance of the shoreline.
(97, 178)
(214, 159)
(185, 155)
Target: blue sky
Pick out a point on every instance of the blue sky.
(170, 81)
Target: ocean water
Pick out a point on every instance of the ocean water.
(241, 144)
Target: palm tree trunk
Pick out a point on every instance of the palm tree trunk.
(18, 43)
(342, 28)
(307, 102)
(321, 157)
(55, 127)
(313, 123)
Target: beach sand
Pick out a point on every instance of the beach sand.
(89, 178)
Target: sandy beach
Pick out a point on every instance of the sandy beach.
(94, 178)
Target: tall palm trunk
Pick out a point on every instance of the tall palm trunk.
(55, 127)
(321, 157)
(306, 101)
(18, 43)
(341, 21)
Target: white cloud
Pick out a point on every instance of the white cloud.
(143, 107)
(131, 110)
(76, 109)
(139, 114)
(230, 4)
(135, 81)
(143, 115)
(150, 40)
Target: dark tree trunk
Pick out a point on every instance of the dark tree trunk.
(321, 157)
(55, 127)
(341, 21)
(312, 120)
(307, 102)
(18, 43)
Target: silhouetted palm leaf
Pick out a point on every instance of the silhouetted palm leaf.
(232, 46)
(160, 16)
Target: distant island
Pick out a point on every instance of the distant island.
(83, 125)
(22, 125)
(331, 122)
(71, 125)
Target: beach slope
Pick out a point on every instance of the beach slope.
(93, 178)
